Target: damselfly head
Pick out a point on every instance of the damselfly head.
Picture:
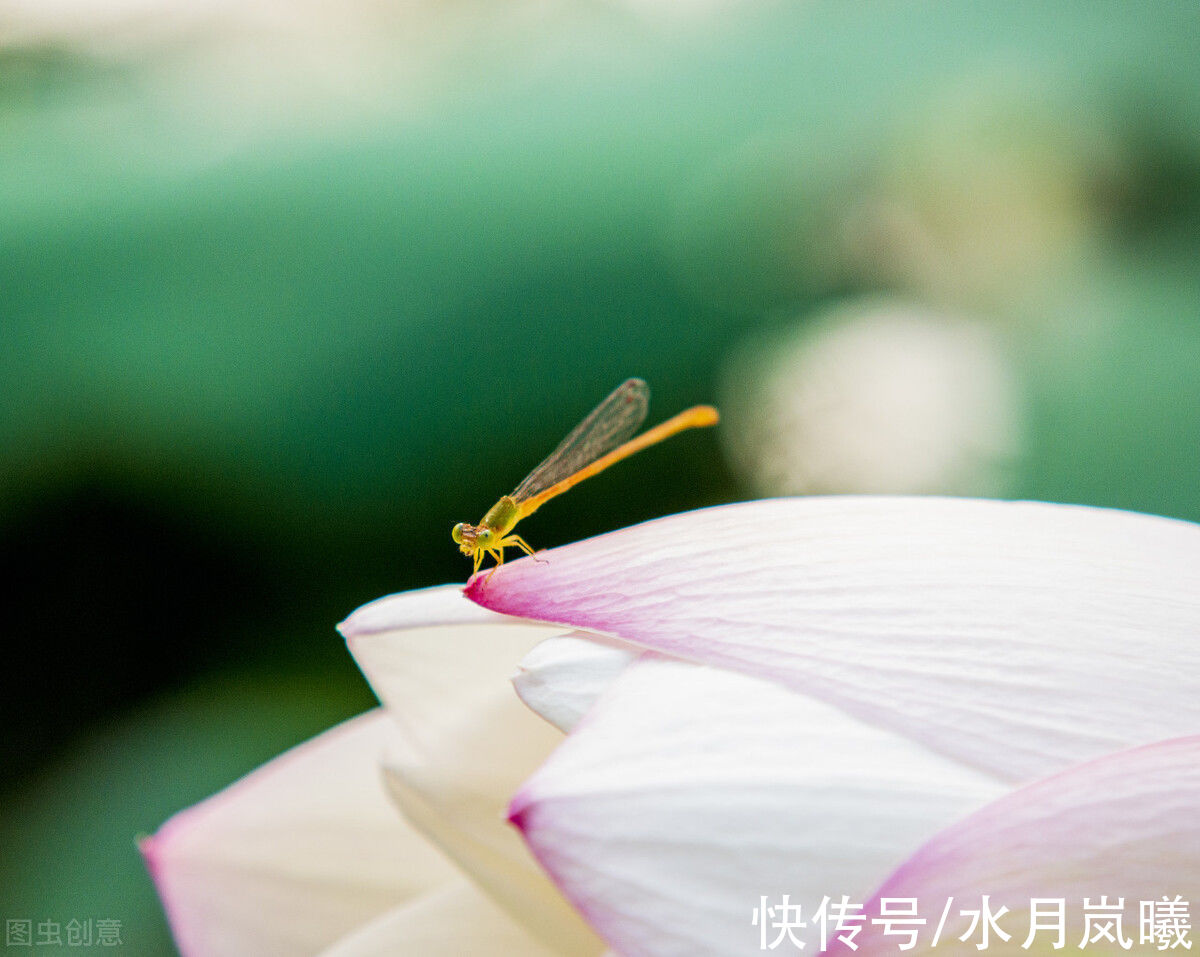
(471, 538)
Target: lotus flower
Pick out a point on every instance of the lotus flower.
(882, 698)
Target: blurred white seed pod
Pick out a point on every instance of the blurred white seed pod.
(873, 397)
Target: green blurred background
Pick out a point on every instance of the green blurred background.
(285, 293)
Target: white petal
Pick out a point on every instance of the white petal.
(429, 655)
(1018, 637)
(689, 792)
(1123, 826)
(442, 666)
(454, 920)
(291, 857)
(468, 824)
(562, 677)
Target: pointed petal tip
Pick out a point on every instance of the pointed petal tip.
(474, 589)
(351, 626)
(518, 810)
(147, 845)
(434, 605)
(359, 622)
(156, 851)
(486, 580)
(483, 582)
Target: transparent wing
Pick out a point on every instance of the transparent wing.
(612, 422)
